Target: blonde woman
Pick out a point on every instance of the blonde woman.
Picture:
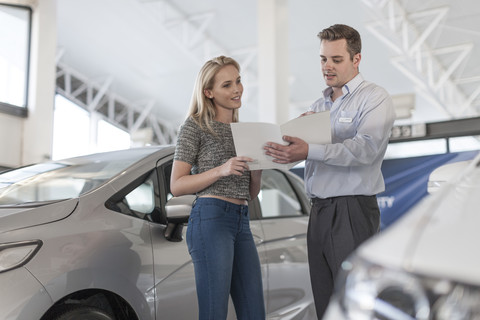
(218, 236)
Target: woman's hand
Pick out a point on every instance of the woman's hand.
(183, 182)
(235, 166)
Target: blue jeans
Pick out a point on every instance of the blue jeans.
(225, 259)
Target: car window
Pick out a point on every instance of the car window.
(141, 198)
(138, 202)
(277, 197)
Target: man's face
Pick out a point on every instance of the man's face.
(337, 67)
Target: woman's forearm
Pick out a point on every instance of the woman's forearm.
(255, 183)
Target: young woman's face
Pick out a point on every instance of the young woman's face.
(227, 89)
(337, 67)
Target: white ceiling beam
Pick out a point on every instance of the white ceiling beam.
(59, 55)
(128, 112)
(407, 34)
(68, 82)
(375, 4)
(146, 110)
(438, 15)
(111, 108)
(100, 93)
(374, 28)
(461, 52)
(402, 64)
(187, 31)
(464, 108)
(158, 131)
(82, 88)
(175, 24)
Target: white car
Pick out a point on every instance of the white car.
(445, 173)
(426, 266)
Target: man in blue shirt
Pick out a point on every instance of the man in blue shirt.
(341, 178)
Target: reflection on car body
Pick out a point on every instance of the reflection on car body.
(102, 235)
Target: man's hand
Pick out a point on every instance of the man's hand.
(297, 150)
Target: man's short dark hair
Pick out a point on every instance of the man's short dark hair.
(341, 31)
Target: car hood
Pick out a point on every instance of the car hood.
(438, 237)
(12, 218)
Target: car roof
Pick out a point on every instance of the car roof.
(139, 153)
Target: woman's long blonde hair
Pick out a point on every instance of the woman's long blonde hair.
(202, 109)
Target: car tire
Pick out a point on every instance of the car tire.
(78, 311)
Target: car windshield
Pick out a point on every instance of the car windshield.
(65, 179)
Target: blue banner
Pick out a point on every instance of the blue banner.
(406, 182)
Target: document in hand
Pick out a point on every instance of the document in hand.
(251, 137)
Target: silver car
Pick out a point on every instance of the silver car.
(101, 237)
(425, 266)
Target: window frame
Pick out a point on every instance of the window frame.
(111, 203)
(255, 206)
(6, 108)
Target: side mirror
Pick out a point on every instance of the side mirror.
(177, 210)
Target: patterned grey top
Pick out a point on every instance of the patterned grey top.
(204, 151)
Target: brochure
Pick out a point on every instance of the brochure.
(251, 137)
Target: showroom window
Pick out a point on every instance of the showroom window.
(431, 147)
(15, 28)
(110, 137)
(77, 132)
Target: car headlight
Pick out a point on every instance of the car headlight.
(370, 291)
(16, 254)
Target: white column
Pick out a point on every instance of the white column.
(38, 126)
(273, 61)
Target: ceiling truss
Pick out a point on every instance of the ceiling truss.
(135, 118)
(406, 33)
(188, 33)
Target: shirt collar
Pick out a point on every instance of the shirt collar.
(353, 84)
(347, 88)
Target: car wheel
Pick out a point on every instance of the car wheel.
(77, 311)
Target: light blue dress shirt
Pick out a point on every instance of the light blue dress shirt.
(361, 122)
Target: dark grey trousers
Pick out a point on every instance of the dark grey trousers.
(336, 228)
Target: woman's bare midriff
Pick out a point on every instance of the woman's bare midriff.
(232, 200)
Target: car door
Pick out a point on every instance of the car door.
(282, 210)
(139, 203)
(171, 284)
(175, 292)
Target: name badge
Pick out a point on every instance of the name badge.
(345, 120)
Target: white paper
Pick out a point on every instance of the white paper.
(251, 137)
